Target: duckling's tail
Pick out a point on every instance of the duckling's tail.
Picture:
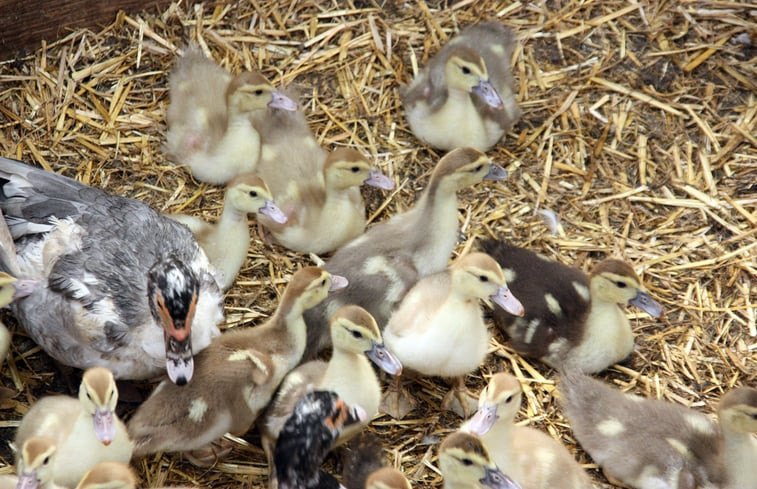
(363, 456)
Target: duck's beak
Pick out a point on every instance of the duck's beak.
(338, 283)
(27, 481)
(645, 302)
(271, 210)
(507, 301)
(384, 359)
(483, 420)
(105, 426)
(378, 179)
(488, 94)
(179, 361)
(496, 172)
(355, 414)
(495, 479)
(344, 415)
(281, 101)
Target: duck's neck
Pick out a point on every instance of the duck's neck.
(739, 456)
(436, 221)
(500, 439)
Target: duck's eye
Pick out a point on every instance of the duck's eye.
(46, 460)
(509, 399)
(259, 92)
(357, 334)
(253, 193)
(355, 169)
(621, 285)
(467, 462)
(478, 168)
(483, 278)
(465, 70)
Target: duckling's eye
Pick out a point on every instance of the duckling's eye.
(466, 70)
(478, 168)
(46, 460)
(253, 193)
(259, 92)
(357, 334)
(509, 399)
(89, 396)
(355, 169)
(621, 285)
(467, 462)
(753, 416)
(323, 282)
(483, 278)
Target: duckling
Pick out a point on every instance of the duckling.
(119, 285)
(390, 257)
(209, 118)
(530, 457)
(465, 95)
(235, 377)
(328, 211)
(307, 436)
(465, 464)
(571, 321)
(364, 466)
(355, 336)
(650, 444)
(86, 431)
(108, 475)
(226, 242)
(35, 466)
(438, 328)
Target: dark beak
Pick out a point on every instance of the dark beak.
(179, 361)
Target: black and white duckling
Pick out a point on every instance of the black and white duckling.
(391, 256)
(35, 466)
(235, 377)
(85, 431)
(307, 436)
(209, 120)
(356, 338)
(438, 329)
(530, 457)
(652, 444)
(571, 320)
(119, 285)
(364, 466)
(465, 464)
(465, 95)
(226, 242)
(327, 211)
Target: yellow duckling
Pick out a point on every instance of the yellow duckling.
(226, 242)
(465, 464)
(35, 466)
(114, 475)
(465, 95)
(528, 456)
(438, 329)
(86, 431)
(209, 118)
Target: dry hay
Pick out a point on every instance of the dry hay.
(638, 130)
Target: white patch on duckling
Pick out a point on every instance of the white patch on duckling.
(241, 355)
(634, 398)
(267, 153)
(582, 290)
(509, 274)
(197, 409)
(309, 142)
(545, 458)
(531, 331)
(553, 304)
(679, 446)
(611, 427)
(379, 265)
(497, 49)
(543, 257)
(700, 424)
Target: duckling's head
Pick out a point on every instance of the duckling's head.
(36, 463)
(108, 475)
(99, 396)
(310, 286)
(464, 463)
(387, 478)
(737, 410)
(614, 281)
(250, 91)
(249, 193)
(354, 330)
(478, 275)
(172, 290)
(500, 399)
(347, 167)
(463, 167)
(466, 71)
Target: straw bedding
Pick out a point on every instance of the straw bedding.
(638, 131)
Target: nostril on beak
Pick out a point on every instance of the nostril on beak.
(181, 381)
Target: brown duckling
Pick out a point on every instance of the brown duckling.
(466, 464)
(235, 377)
(364, 466)
(571, 320)
(465, 95)
(35, 466)
(391, 256)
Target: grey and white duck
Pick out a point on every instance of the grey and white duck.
(118, 284)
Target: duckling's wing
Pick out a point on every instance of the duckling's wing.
(415, 315)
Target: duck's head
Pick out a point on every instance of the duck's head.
(310, 286)
(99, 396)
(249, 193)
(478, 275)
(737, 410)
(173, 290)
(463, 167)
(354, 329)
(250, 91)
(108, 475)
(36, 463)
(466, 71)
(464, 463)
(500, 399)
(347, 167)
(614, 281)
(387, 478)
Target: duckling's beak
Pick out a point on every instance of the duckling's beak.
(384, 358)
(24, 288)
(488, 94)
(338, 283)
(105, 426)
(378, 179)
(271, 210)
(496, 172)
(483, 420)
(344, 415)
(27, 480)
(179, 361)
(495, 479)
(281, 101)
(645, 302)
(507, 301)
